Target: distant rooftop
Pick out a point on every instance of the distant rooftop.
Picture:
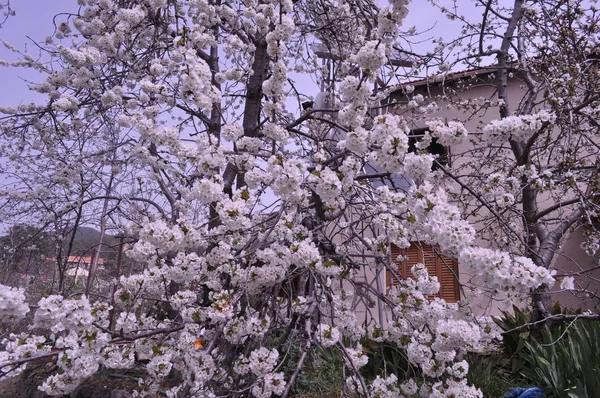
(78, 260)
(446, 77)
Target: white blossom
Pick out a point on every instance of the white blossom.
(567, 283)
(327, 335)
(12, 303)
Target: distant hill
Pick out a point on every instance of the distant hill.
(20, 237)
(87, 233)
(87, 238)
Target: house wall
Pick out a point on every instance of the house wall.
(480, 89)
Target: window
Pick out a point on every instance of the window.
(399, 182)
(445, 268)
(441, 152)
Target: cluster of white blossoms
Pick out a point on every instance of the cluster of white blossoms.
(417, 167)
(435, 341)
(389, 136)
(277, 38)
(448, 134)
(272, 383)
(591, 245)
(78, 341)
(385, 387)
(518, 128)
(327, 185)
(263, 361)
(353, 115)
(232, 131)
(501, 190)
(371, 56)
(194, 81)
(238, 330)
(356, 357)
(437, 221)
(356, 141)
(13, 305)
(351, 90)
(389, 19)
(57, 314)
(275, 132)
(567, 283)
(77, 361)
(19, 346)
(541, 180)
(513, 275)
(327, 335)
(356, 98)
(288, 176)
(66, 103)
(118, 357)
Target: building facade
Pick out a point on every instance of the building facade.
(470, 97)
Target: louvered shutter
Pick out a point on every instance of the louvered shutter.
(445, 268)
(412, 255)
(448, 278)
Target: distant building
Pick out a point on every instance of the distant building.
(78, 266)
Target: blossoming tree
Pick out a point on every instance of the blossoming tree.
(255, 221)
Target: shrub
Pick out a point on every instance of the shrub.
(321, 375)
(489, 374)
(563, 358)
(566, 360)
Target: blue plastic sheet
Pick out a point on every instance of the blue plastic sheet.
(520, 392)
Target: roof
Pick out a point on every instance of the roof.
(446, 77)
(78, 260)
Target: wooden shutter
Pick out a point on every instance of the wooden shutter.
(445, 268)
(448, 278)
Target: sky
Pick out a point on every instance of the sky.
(33, 20)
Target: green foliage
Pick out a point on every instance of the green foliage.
(489, 374)
(321, 375)
(561, 358)
(566, 360)
(388, 357)
(515, 336)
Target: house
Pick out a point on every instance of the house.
(475, 93)
(78, 266)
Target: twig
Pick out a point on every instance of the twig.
(30, 359)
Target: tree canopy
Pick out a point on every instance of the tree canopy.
(257, 210)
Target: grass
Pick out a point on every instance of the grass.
(487, 372)
(321, 375)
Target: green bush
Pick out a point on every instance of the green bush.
(515, 336)
(390, 358)
(489, 374)
(321, 376)
(562, 358)
(566, 360)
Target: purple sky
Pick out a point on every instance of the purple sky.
(34, 19)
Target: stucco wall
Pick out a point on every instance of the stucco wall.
(481, 90)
